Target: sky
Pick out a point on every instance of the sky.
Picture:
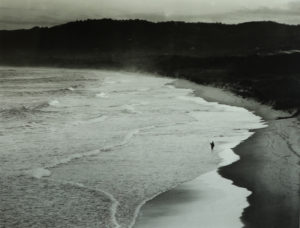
(16, 14)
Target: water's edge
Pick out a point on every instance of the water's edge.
(227, 155)
(277, 185)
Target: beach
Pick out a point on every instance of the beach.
(269, 164)
(270, 169)
(89, 148)
(209, 200)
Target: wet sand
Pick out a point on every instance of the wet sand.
(270, 169)
(207, 201)
(269, 166)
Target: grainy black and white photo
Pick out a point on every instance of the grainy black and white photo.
(150, 114)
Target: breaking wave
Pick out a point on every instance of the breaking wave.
(23, 111)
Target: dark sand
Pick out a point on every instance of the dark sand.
(269, 166)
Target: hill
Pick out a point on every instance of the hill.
(257, 59)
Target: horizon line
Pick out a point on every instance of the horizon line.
(149, 21)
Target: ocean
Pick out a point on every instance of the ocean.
(88, 148)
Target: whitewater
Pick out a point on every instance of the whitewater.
(90, 148)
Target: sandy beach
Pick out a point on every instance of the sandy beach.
(270, 169)
(269, 164)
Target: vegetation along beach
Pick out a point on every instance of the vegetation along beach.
(109, 123)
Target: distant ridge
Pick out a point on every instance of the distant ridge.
(139, 36)
(254, 59)
(154, 22)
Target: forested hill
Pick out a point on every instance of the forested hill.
(137, 37)
(255, 59)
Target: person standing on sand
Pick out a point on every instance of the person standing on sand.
(212, 145)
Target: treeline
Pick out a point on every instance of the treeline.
(273, 80)
(244, 57)
(138, 37)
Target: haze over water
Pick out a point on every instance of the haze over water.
(88, 148)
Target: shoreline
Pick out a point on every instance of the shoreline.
(268, 166)
(262, 167)
(194, 201)
(274, 202)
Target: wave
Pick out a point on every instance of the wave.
(207, 187)
(130, 109)
(22, 111)
(92, 120)
(60, 91)
(101, 95)
(39, 173)
(139, 207)
(210, 192)
(46, 171)
(34, 91)
(114, 202)
(15, 112)
(63, 90)
(53, 103)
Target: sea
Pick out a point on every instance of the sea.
(94, 148)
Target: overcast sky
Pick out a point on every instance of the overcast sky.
(28, 13)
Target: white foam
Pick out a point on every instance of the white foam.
(101, 95)
(197, 100)
(92, 120)
(98, 119)
(114, 205)
(215, 202)
(39, 173)
(70, 158)
(73, 157)
(169, 136)
(54, 102)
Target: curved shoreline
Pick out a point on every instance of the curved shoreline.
(269, 164)
(281, 189)
(274, 201)
(205, 192)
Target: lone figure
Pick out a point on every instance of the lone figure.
(212, 145)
